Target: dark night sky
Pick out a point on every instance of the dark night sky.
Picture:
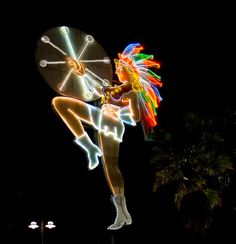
(45, 177)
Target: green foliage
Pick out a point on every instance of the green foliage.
(195, 155)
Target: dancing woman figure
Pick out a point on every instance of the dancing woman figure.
(134, 99)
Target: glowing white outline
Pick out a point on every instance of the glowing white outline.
(90, 145)
(86, 44)
(50, 62)
(63, 83)
(94, 74)
(71, 49)
(65, 30)
(105, 61)
(53, 45)
(98, 124)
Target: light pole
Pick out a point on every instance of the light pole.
(33, 225)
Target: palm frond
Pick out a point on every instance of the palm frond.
(213, 197)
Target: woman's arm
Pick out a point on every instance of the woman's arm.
(112, 95)
(132, 98)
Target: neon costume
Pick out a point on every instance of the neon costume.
(134, 98)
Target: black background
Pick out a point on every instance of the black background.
(47, 174)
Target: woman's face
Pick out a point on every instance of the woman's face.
(122, 73)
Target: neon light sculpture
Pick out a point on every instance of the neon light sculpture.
(85, 74)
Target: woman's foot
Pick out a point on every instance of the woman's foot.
(122, 215)
(92, 150)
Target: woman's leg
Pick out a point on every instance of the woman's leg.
(73, 111)
(110, 150)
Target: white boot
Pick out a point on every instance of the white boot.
(122, 215)
(125, 211)
(92, 150)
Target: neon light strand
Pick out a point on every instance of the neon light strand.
(147, 83)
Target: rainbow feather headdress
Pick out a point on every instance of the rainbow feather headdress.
(145, 81)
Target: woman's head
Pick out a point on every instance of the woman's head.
(135, 68)
(131, 63)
